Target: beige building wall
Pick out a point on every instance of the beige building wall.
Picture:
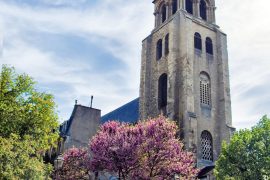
(82, 126)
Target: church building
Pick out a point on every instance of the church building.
(185, 77)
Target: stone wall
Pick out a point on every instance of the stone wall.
(183, 66)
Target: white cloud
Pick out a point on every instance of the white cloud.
(118, 27)
(99, 25)
(248, 43)
(98, 21)
(63, 2)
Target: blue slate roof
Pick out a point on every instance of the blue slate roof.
(127, 113)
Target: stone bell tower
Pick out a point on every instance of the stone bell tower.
(185, 76)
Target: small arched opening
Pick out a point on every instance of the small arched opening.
(209, 46)
(162, 91)
(159, 49)
(197, 41)
(167, 44)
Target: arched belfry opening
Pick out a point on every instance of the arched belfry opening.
(163, 13)
(189, 6)
(203, 10)
(174, 6)
(162, 92)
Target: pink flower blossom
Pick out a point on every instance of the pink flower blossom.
(147, 150)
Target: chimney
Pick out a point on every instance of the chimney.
(91, 104)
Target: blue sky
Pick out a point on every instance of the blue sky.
(79, 48)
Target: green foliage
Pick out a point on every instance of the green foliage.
(28, 124)
(25, 111)
(248, 154)
(19, 161)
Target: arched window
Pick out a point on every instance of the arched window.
(162, 91)
(159, 49)
(189, 6)
(209, 46)
(203, 10)
(205, 89)
(167, 44)
(207, 146)
(197, 41)
(163, 13)
(174, 6)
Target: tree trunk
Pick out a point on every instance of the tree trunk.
(96, 175)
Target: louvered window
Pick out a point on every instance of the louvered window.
(205, 89)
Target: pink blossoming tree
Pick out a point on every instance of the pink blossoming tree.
(147, 150)
(115, 149)
(74, 165)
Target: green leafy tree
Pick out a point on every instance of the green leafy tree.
(18, 160)
(28, 123)
(25, 111)
(247, 156)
